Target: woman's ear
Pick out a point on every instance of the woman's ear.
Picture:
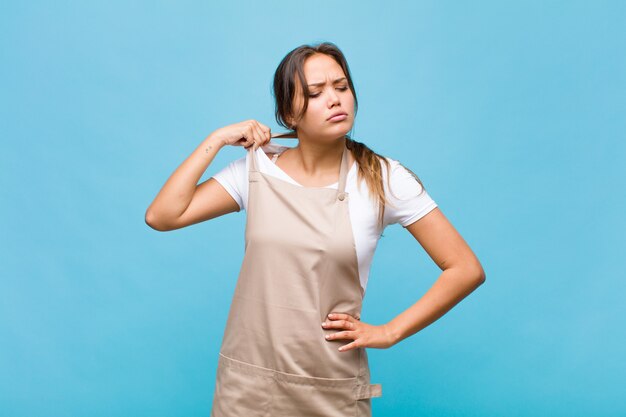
(290, 122)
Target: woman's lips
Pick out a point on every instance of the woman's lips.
(338, 118)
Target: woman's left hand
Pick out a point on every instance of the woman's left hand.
(362, 334)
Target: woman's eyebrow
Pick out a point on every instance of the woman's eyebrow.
(322, 83)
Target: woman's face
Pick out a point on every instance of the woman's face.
(329, 93)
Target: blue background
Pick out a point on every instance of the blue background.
(512, 114)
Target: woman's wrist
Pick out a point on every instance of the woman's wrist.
(392, 333)
(214, 141)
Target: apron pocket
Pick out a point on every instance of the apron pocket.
(239, 392)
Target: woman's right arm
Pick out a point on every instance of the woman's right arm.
(182, 202)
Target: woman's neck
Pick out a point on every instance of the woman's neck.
(316, 158)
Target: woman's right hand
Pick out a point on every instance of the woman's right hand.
(246, 134)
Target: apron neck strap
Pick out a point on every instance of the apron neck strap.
(253, 158)
(343, 171)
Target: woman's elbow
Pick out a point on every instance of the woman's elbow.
(478, 274)
(474, 272)
(152, 221)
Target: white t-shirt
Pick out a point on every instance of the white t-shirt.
(408, 205)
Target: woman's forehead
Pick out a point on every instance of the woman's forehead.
(322, 69)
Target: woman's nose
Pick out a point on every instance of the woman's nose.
(333, 97)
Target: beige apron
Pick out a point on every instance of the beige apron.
(300, 264)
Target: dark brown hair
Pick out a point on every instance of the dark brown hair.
(292, 66)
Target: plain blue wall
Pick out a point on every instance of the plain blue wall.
(511, 113)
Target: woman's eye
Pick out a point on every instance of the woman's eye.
(339, 88)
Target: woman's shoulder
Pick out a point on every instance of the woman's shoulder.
(388, 165)
(399, 175)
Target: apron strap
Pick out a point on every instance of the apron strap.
(364, 391)
(253, 159)
(343, 174)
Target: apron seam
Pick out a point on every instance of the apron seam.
(274, 371)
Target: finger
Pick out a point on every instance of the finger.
(248, 143)
(265, 128)
(244, 140)
(339, 324)
(341, 335)
(349, 346)
(258, 133)
(252, 135)
(263, 132)
(341, 316)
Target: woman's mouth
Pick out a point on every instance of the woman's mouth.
(338, 118)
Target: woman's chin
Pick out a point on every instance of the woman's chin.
(342, 130)
(332, 132)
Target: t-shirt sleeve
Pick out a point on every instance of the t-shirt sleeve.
(232, 178)
(408, 201)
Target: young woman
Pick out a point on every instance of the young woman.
(294, 344)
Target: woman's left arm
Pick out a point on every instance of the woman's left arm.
(462, 274)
